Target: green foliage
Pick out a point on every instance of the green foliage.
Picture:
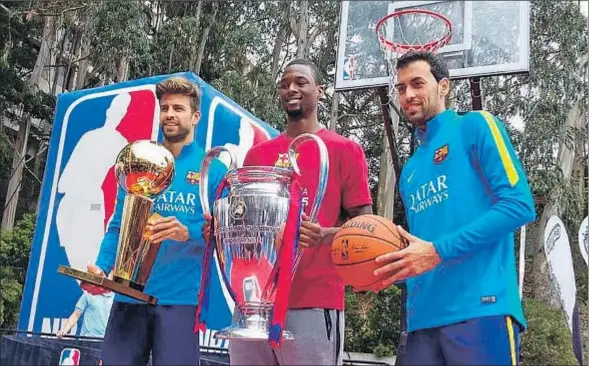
(119, 31)
(548, 339)
(373, 322)
(18, 96)
(5, 160)
(360, 118)
(10, 296)
(258, 101)
(383, 351)
(18, 53)
(15, 246)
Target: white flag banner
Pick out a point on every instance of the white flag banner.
(560, 261)
(584, 240)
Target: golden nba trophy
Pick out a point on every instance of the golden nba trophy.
(144, 169)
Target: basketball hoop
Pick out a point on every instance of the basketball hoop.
(410, 30)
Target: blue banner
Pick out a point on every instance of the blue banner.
(79, 187)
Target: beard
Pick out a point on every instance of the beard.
(296, 114)
(179, 135)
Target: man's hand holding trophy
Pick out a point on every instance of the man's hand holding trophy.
(161, 228)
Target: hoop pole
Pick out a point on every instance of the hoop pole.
(388, 124)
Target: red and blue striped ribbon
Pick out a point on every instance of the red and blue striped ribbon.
(284, 264)
(202, 309)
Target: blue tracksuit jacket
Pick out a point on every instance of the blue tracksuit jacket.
(465, 191)
(176, 274)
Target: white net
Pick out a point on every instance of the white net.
(411, 30)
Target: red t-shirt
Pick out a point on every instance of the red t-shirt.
(316, 283)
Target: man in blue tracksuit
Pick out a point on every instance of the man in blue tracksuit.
(165, 330)
(465, 192)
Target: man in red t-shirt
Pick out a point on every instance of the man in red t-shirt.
(316, 303)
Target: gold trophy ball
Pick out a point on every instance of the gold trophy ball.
(144, 168)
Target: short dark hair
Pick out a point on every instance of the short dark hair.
(179, 85)
(438, 66)
(311, 65)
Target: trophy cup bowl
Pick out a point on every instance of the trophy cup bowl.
(144, 170)
(246, 224)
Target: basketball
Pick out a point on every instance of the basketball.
(358, 243)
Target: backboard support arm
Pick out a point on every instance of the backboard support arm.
(475, 93)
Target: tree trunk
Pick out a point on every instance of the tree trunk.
(205, 36)
(70, 74)
(58, 61)
(542, 286)
(84, 49)
(334, 110)
(302, 29)
(194, 55)
(122, 69)
(18, 158)
(46, 43)
(170, 58)
(198, 12)
(278, 44)
(41, 157)
(83, 66)
(18, 162)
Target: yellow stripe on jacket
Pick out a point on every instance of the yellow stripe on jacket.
(508, 164)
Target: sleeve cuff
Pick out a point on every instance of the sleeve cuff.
(104, 267)
(364, 202)
(440, 245)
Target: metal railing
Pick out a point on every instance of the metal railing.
(205, 350)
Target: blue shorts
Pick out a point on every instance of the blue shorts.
(136, 330)
(492, 340)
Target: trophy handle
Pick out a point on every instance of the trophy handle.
(321, 185)
(323, 168)
(204, 173)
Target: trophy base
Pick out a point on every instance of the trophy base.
(128, 283)
(107, 284)
(250, 328)
(249, 334)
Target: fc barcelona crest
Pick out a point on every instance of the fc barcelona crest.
(441, 154)
(283, 160)
(193, 177)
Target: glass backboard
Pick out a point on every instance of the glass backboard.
(488, 38)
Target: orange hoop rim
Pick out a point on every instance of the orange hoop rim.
(435, 44)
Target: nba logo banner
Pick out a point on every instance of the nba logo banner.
(79, 187)
(69, 356)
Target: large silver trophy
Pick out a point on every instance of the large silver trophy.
(246, 224)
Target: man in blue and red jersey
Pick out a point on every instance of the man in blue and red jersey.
(135, 330)
(465, 193)
(315, 316)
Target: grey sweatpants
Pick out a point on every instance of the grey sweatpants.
(318, 340)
